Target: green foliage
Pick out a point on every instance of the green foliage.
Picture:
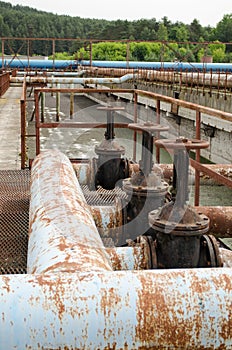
(224, 29)
(217, 50)
(110, 51)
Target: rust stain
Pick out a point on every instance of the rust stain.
(6, 280)
(159, 319)
(57, 291)
(115, 260)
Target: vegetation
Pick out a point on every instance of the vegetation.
(150, 40)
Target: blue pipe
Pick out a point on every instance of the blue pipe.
(62, 64)
(38, 64)
(188, 66)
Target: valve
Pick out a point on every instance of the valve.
(145, 189)
(179, 229)
(110, 166)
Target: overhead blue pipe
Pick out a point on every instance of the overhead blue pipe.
(38, 64)
(62, 64)
(188, 66)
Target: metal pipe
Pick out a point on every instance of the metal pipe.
(130, 258)
(53, 73)
(83, 81)
(226, 257)
(165, 309)
(109, 220)
(62, 234)
(220, 219)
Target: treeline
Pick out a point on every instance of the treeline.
(23, 21)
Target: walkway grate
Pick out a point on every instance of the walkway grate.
(14, 220)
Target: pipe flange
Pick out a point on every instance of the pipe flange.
(149, 246)
(178, 221)
(145, 191)
(209, 255)
(110, 147)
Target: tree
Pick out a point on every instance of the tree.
(224, 30)
(162, 33)
(195, 31)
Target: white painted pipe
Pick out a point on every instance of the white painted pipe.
(156, 309)
(70, 80)
(62, 233)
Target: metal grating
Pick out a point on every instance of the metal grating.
(102, 197)
(14, 220)
(14, 216)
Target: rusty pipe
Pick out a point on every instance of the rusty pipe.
(158, 309)
(85, 171)
(71, 80)
(220, 219)
(130, 258)
(62, 234)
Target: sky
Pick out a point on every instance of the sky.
(207, 12)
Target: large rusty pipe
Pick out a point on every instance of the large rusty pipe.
(156, 309)
(62, 234)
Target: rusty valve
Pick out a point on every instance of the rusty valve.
(110, 166)
(146, 189)
(178, 227)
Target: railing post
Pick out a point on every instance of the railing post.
(157, 133)
(37, 122)
(135, 121)
(23, 133)
(197, 173)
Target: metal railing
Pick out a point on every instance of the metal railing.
(135, 95)
(4, 82)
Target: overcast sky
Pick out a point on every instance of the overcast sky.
(207, 12)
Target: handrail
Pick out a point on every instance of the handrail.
(4, 82)
(135, 93)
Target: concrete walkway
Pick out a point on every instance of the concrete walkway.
(10, 134)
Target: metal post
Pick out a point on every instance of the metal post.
(158, 133)
(42, 103)
(53, 52)
(23, 131)
(197, 173)
(37, 122)
(135, 121)
(58, 104)
(3, 52)
(71, 102)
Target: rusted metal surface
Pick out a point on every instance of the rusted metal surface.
(168, 309)
(62, 234)
(4, 82)
(220, 219)
(83, 172)
(130, 258)
(218, 176)
(226, 257)
(109, 220)
(72, 80)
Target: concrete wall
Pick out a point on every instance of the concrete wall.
(216, 131)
